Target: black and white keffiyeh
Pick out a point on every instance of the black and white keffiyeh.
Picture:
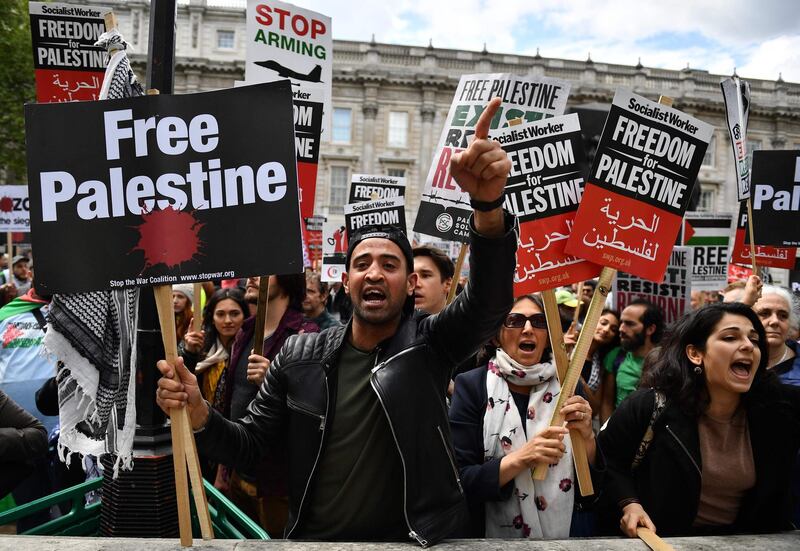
(93, 335)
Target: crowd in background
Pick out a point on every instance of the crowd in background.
(632, 352)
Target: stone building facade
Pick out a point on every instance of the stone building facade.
(390, 101)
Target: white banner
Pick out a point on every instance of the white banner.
(736, 94)
(15, 213)
(286, 41)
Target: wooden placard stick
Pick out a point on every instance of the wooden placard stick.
(562, 363)
(261, 315)
(577, 315)
(178, 422)
(570, 381)
(184, 453)
(752, 239)
(462, 254)
(110, 20)
(652, 540)
(10, 251)
(197, 308)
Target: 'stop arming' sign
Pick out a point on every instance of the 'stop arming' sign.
(156, 189)
(639, 186)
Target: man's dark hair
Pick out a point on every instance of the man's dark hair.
(443, 263)
(294, 285)
(653, 315)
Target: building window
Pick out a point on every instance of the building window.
(752, 145)
(710, 156)
(342, 124)
(338, 189)
(706, 202)
(397, 172)
(225, 40)
(398, 129)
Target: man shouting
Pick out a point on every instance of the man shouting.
(360, 408)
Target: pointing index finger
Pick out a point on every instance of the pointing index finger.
(485, 120)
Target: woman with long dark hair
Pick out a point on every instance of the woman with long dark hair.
(500, 420)
(223, 316)
(709, 446)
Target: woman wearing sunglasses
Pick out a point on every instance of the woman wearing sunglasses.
(500, 416)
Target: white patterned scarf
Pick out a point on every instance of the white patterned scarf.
(536, 509)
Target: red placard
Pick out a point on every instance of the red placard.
(624, 233)
(552, 267)
(61, 85)
(774, 257)
(307, 182)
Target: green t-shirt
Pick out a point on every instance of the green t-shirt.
(628, 374)
(358, 491)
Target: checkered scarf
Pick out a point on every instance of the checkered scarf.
(93, 335)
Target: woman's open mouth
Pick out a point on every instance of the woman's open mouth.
(527, 346)
(741, 368)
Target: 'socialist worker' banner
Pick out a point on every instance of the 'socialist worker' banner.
(15, 209)
(639, 186)
(334, 252)
(774, 257)
(736, 94)
(709, 236)
(383, 212)
(67, 65)
(286, 41)
(672, 294)
(366, 187)
(163, 189)
(776, 198)
(544, 188)
(444, 209)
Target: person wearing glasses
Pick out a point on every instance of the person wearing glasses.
(500, 420)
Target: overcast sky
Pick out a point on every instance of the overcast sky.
(761, 38)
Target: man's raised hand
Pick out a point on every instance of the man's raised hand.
(482, 169)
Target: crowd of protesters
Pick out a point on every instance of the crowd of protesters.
(387, 407)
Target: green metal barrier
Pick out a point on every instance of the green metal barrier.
(84, 520)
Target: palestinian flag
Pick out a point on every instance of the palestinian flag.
(707, 229)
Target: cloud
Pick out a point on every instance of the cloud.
(760, 38)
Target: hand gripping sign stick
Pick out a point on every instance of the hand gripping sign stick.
(653, 542)
(261, 315)
(570, 380)
(562, 362)
(184, 451)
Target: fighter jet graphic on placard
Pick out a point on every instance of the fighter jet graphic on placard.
(313, 76)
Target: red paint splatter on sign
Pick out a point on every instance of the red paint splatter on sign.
(6, 204)
(168, 237)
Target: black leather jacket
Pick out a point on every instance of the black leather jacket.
(410, 378)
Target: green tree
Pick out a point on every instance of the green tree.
(17, 86)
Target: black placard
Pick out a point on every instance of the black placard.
(163, 189)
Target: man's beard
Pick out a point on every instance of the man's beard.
(380, 317)
(634, 343)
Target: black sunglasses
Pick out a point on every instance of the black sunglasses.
(515, 320)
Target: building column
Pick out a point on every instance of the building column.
(426, 146)
(370, 111)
